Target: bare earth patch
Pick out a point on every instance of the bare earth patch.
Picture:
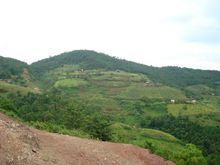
(21, 145)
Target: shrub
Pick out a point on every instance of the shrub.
(190, 155)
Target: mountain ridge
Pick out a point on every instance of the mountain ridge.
(174, 76)
(87, 59)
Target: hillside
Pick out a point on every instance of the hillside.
(174, 112)
(38, 147)
(12, 70)
(11, 67)
(15, 76)
(174, 76)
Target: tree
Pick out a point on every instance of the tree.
(74, 116)
(98, 127)
(190, 155)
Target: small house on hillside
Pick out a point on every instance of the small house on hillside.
(172, 101)
(191, 101)
(148, 84)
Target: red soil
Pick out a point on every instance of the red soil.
(20, 145)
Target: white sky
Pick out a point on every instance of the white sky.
(153, 32)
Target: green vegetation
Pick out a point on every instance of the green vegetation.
(13, 71)
(171, 76)
(206, 137)
(199, 91)
(192, 109)
(55, 114)
(11, 88)
(11, 68)
(59, 129)
(68, 83)
(158, 142)
(190, 155)
(92, 95)
(161, 92)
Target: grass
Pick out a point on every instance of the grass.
(137, 91)
(205, 114)
(11, 88)
(200, 89)
(130, 132)
(9, 113)
(120, 76)
(160, 142)
(191, 109)
(103, 91)
(51, 127)
(70, 83)
(113, 83)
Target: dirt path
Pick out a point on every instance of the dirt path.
(20, 145)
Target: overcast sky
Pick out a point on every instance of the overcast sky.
(153, 32)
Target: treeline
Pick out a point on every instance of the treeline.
(173, 76)
(206, 138)
(51, 112)
(10, 67)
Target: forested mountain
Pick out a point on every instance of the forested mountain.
(172, 111)
(14, 72)
(174, 76)
(10, 67)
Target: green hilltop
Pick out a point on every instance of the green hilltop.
(174, 76)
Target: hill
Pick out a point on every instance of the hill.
(172, 76)
(13, 71)
(92, 95)
(15, 76)
(11, 68)
(113, 106)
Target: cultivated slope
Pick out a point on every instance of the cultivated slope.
(172, 76)
(20, 144)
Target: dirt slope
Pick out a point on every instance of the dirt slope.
(20, 145)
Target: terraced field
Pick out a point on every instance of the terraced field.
(70, 83)
(12, 88)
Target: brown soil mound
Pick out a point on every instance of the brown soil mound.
(21, 145)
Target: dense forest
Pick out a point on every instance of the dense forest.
(207, 138)
(172, 111)
(11, 68)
